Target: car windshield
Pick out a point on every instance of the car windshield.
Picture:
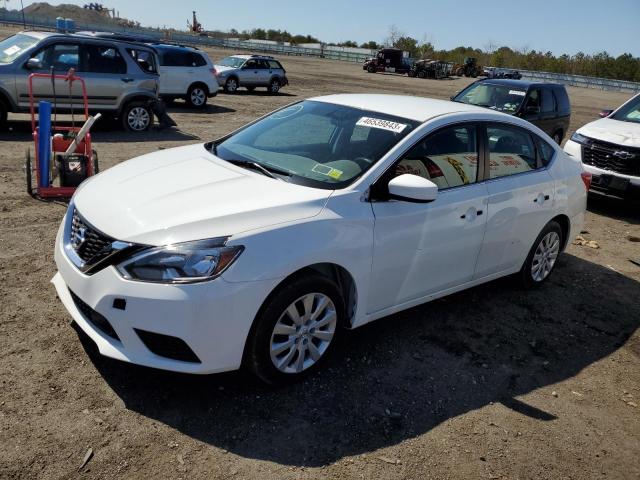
(12, 47)
(629, 112)
(497, 97)
(317, 144)
(234, 62)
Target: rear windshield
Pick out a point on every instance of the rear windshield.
(12, 47)
(497, 97)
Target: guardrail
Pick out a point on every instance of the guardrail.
(15, 18)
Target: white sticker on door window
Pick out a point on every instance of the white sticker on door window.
(517, 92)
(382, 124)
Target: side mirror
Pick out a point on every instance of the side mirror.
(606, 112)
(34, 64)
(413, 188)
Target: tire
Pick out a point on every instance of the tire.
(547, 247)
(557, 137)
(274, 86)
(3, 115)
(96, 163)
(28, 172)
(251, 89)
(474, 74)
(460, 72)
(422, 74)
(231, 85)
(294, 337)
(197, 96)
(371, 69)
(137, 116)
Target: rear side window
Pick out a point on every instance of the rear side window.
(196, 60)
(511, 151)
(564, 107)
(172, 58)
(548, 101)
(275, 64)
(144, 59)
(104, 59)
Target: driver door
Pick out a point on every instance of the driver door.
(425, 248)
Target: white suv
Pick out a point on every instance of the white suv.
(610, 150)
(188, 73)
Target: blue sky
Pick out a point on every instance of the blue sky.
(561, 26)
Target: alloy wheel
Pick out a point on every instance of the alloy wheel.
(198, 97)
(138, 118)
(303, 333)
(545, 257)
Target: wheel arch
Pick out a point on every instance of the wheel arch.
(565, 225)
(134, 97)
(199, 83)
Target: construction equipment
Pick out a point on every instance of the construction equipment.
(389, 60)
(436, 69)
(469, 68)
(194, 26)
(60, 151)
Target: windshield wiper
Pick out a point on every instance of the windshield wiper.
(259, 167)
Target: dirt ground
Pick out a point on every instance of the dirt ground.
(489, 383)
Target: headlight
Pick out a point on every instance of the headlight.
(187, 262)
(581, 139)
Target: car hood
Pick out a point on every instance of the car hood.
(223, 69)
(613, 131)
(186, 193)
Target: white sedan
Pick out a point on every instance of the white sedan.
(260, 248)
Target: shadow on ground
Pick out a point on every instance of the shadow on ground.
(612, 207)
(403, 375)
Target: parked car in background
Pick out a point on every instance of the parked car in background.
(610, 149)
(546, 105)
(251, 71)
(121, 77)
(260, 248)
(495, 72)
(186, 72)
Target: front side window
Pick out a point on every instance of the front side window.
(251, 64)
(60, 56)
(511, 151)
(104, 59)
(548, 101)
(12, 47)
(502, 98)
(315, 143)
(448, 157)
(629, 112)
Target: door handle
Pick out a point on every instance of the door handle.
(542, 198)
(479, 212)
(471, 212)
(127, 80)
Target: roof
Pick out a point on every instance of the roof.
(414, 108)
(103, 36)
(509, 82)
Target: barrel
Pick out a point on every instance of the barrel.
(60, 24)
(70, 25)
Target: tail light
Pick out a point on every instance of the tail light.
(586, 178)
(214, 72)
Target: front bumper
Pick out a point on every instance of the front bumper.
(212, 318)
(607, 182)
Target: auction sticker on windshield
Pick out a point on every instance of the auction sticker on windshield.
(382, 124)
(517, 92)
(11, 50)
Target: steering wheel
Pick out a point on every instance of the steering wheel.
(363, 162)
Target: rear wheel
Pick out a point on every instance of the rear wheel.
(422, 74)
(137, 116)
(371, 69)
(297, 330)
(197, 96)
(543, 256)
(274, 86)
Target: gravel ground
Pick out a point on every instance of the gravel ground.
(494, 382)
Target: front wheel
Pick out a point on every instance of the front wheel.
(422, 74)
(543, 256)
(231, 85)
(137, 116)
(297, 330)
(371, 69)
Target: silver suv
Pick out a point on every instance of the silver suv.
(251, 71)
(121, 77)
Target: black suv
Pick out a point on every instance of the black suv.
(546, 105)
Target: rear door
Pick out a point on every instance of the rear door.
(104, 69)
(175, 72)
(520, 197)
(264, 72)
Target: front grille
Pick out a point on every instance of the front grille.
(612, 157)
(167, 346)
(88, 243)
(96, 319)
